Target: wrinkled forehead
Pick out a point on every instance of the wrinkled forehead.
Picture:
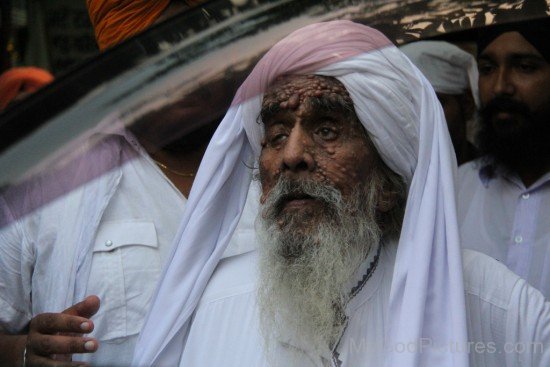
(290, 91)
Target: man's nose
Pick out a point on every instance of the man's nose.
(503, 84)
(297, 155)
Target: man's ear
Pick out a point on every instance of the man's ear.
(468, 105)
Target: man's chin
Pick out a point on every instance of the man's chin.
(304, 215)
(507, 124)
(303, 204)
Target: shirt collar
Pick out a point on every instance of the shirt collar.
(490, 171)
(115, 126)
(365, 271)
(365, 282)
(541, 181)
(486, 174)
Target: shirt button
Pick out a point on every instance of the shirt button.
(518, 239)
(525, 196)
(108, 243)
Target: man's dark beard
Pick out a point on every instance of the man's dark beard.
(519, 141)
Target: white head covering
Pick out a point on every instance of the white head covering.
(449, 69)
(400, 111)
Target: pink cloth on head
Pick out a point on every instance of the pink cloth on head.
(306, 55)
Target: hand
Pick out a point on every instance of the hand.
(54, 337)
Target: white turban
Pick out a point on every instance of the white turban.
(402, 115)
(449, 69)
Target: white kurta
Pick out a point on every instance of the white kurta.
(129, 242)
(137, 219)
(509, 322)
(502, 218)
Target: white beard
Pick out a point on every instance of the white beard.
(307, 264)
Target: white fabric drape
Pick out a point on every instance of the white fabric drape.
(449, 69)
(401, 113)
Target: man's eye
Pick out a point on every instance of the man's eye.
(526, 67)
(327, 133)
(485, 68)
(275, 139)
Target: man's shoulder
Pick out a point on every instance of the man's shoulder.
(472, 165)
(470, 169)
(476, 174)
(488, 279)
(91, 164)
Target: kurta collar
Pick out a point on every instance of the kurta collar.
(366, 280)
(489, 171)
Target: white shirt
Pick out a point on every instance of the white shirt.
(132, 244)
(129, 245)
(502, 218)
(132, 240)
(503, 313)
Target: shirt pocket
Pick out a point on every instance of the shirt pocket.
(124, 272)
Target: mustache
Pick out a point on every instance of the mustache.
(290, 189)
(505, 104)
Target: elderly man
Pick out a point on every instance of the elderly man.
(350, 135)
(453, 74)
(504, 197)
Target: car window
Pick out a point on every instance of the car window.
(183, 73)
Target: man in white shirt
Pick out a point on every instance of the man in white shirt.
(504, 197)
(359, 260)
(102, 225)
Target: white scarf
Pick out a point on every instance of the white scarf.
(404, 119)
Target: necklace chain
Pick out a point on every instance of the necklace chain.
(179, 173)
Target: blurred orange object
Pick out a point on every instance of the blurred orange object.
(22, 80)
(116, 20)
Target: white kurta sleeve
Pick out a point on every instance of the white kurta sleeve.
(527, 328)
(15, 272)
(508, 320)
